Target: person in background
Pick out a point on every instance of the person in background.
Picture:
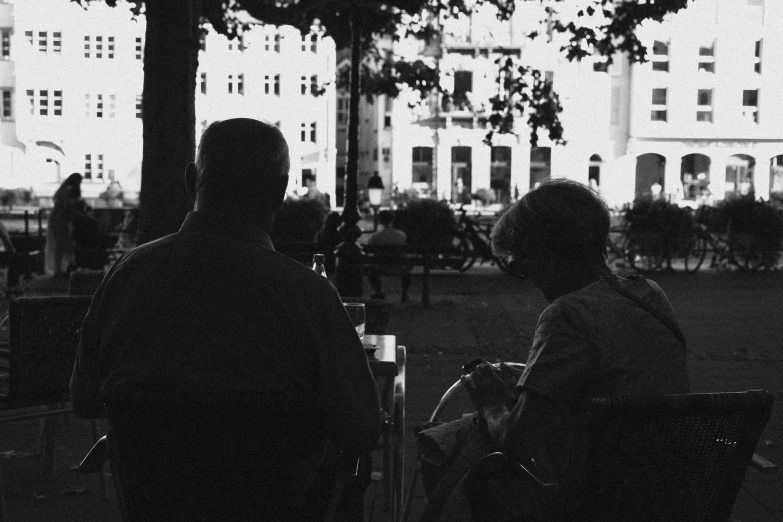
(327, 238)
(5, 240)
(388, 236)
(214, 312)
(59, 227)
(600, 335)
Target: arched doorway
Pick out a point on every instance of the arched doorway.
(51, 158)
(776, 176)
(695, 176)
(461, 175)
(594, 171)
(650, 170)
(500, 173)
(739, 175)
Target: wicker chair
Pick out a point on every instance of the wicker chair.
(184, 455)
(84, 282)
(660, 458)
(43, 338)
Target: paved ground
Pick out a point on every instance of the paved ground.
(733, 322)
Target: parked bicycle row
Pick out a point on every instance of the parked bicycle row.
(740, 233)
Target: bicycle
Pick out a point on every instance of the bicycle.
(475, 240)
(739, 249)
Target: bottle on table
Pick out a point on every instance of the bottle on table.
(319, 266)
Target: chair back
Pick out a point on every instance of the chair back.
(43, 338)
(377, 314)
(675, 457)
(199, 456)
(84, 282)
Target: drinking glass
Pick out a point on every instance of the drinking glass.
(357, 314)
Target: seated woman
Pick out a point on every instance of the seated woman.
(600, 335)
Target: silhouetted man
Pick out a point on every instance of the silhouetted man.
(213, 311)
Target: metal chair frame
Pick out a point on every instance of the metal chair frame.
(756, 461)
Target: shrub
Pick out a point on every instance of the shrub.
(299, 220)
(486, 196)
(426, 222)
(745, 214)
(659, 215)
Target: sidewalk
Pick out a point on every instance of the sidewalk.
(733, 323)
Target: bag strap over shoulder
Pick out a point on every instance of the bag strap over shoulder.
(671, 325)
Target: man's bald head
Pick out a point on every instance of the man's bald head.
(242, 162)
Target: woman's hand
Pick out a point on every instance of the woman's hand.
(487, 390)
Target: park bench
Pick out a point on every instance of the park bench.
(385, 260)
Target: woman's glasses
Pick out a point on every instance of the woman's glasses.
(519, 268)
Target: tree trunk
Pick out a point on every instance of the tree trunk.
(169, 114)
(348, 274)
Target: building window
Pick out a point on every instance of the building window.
(386, 152)
(303, 85)
(387, 112)
(750, 105)
(272, 84)
(757, 59)
(704, 103)
(422, 165)
(272, 42)
(88, 166)
(99, 167)
(43, 103)
(312, 132)
(42, 42)
(375, 154)
(203, 83)
(139, 48)
(660, 57)
(302, 132)
(86, 46)
(31, 100)
(28, 35)
(58, 103)
(99, 105)
(236, 84)
(112, 105)
(111, 47)
(658, 110)
(540, 165)
(342, 110)
(8, 106)
(463, 84)
(5, 44)
(57, 42)
(500, 173)
(313, 43)
(99, 46)
(707, 57)
(138, 106)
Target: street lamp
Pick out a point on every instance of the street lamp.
(375, 192)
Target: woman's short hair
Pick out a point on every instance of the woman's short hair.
(560, 215)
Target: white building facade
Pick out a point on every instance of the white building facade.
(703, 118)
(71, 82)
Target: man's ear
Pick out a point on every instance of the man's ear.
(190, 181)
(278, 191)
